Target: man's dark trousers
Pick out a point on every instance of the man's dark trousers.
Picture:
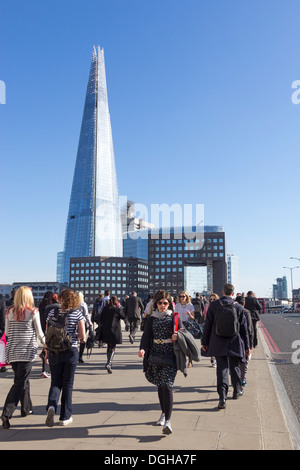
(224, 365)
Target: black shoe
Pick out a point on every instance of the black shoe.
(222, 404)
(5, 422)
(81, 361)
(237, 395)
(23, 413)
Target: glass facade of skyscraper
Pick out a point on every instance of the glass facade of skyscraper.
(94, 224)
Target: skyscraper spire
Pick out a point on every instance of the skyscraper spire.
(94, 223)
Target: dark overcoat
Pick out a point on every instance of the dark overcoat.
(111, 324)
(252, 304)
(219, 346)
(133, 308)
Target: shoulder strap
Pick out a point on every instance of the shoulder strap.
(56, 312)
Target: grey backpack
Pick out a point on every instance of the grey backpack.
(57, 337)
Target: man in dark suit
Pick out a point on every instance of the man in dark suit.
(228, 351)
(253, 305)
(133, 309)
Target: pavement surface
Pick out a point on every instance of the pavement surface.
(118, 412)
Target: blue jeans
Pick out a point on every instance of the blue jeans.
(63, 367)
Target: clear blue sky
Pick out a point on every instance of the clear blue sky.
(200, 101)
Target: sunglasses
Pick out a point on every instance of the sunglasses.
(182, 296)
(162, 303)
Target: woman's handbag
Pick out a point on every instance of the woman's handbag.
(194, 328)
(3, 343)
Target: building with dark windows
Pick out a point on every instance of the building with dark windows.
(39, 289)
(177, 263)
(280, 290)
(93, 275)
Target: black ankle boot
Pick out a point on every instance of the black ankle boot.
(110, 355)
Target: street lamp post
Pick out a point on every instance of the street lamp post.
(291, 269)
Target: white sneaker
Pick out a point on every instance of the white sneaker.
(50, 417)
(65, 422)
(45, 374)
(161, 420)
(167, 428)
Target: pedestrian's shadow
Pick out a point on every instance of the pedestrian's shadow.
(36, 433)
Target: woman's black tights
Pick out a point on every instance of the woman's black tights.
(165, 395)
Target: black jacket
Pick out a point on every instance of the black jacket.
(133, 308)
(147, 338)
(252, 304)
(111, 327)
(219, 346)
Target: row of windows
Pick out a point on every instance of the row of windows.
(167, 270)
(190, 247)
(162, 276)
(97, 263)
(95, 292)
(107, 263)
(185, 255)
(185, 240)
(108, 271)
(193, 255)
(102, 287)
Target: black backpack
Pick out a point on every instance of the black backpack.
(226, 320)
(57, 337)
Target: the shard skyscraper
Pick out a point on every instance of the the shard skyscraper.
(94, 222)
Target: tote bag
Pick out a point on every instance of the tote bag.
(3, 343)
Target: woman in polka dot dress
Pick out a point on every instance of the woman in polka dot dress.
(158, 337)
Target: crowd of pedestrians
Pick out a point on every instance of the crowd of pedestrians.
(63, 326)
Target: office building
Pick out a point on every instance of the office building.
(121, 275)
(94, 223)
(233, 267)
(39, 289)
(280, 289)
(177, 263)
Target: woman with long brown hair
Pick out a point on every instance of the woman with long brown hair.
(63, 363)
(157, 340)
(22, 328)
(111, 328)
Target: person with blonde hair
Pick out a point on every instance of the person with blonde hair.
(185, 309)
(88, 324)
(22, 329)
